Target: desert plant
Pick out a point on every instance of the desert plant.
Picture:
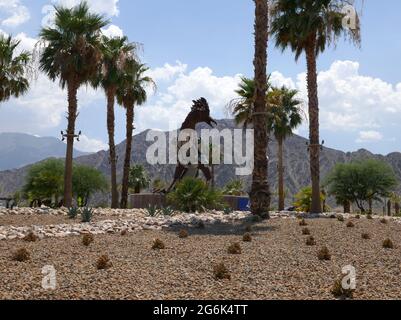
(73, 212)
(338, 290)
(86, 215)
(153, 211)
(124, 232)
(138, 178)
(227, 211)
(87, 240)
(306, 232)
(167, 211)
(324, 254)
(383, 221)
(103, 263)
(183, 234)
(350, 224)
(365, 236)
(247, 237)
(31, 237)
(358, 217)
(388, 244)
(303, 200)
(158, 245)
(340, 218)
(310, 241)
(221, 272)
(21, 255)
(303, 223)
(193, 195)
(234, 248)
(234, 188)
(369, 217)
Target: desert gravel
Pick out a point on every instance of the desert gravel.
(277, 264)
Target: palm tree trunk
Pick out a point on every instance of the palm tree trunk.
(397, 208)
(128, 150)
(281, 195)
(72, 116)
(314, 147)
(347, 207)
(113, 158)
(260, 194)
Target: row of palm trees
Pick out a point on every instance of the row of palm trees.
(75, 52)
(305, 27)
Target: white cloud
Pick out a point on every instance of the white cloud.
(14, 12)
(105, 7)
(168, 71)
(113, 31)
(90, 145)
(369, 136)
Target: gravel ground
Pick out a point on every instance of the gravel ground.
(277, 264)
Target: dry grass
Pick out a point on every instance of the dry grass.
(21, 255)
(247, 237)
(234, 248)
(365, 236)
(388, 244)
(310, 241)
(183, 234)
(31, 237)
(350, 224)
(103, 263)
(221, 272)
(88, 239)
(324, 254)
(158, 245)
(306, 232)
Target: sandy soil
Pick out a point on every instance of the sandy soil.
(277, 264)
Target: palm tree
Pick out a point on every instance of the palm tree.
(260, 194)
(72, 54)
(14, 69)
(138, 178)
(309, 26)
(285, 116)
(242, 107)
(117, 53)
(131, 92)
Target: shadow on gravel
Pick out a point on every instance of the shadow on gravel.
(237, 228)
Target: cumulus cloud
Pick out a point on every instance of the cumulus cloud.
(113, 31)
(13, 13)
(369, 136)
(90, 145)
(105, 7)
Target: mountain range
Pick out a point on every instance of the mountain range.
(296, 162)
(19, 149)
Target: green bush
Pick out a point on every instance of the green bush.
(193, 195)
(304, 199)
(234, 188)
(87, 214)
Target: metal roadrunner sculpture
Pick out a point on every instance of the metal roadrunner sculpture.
(200, 112)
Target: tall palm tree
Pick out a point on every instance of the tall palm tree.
(285, 116)
(260, 193)
(131, 92)
(14, 69)
(242, 107)
(117, 52)
(72, 54)
(309, 26)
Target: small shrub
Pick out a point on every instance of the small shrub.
(339, 292)
(103, 263)
(324, 254)
(365, 236)
(227, 211)
(310, 241)
(388, 244)
(167, 211)
(303, 223)
(124, 232)
(183, 234)
(87, 215)
(306, 232)
(21, 255)
(153, 211)
(192, 195)
(247, 237)
(31, 237)
(73, 213)
(87, 240)
(350, 224)
(383, 221)
(235, 248)
(340, 218)
(369, 217)
(221, 272)
(357, 216)
(158, 245)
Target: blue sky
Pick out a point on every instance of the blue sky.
(199, 48)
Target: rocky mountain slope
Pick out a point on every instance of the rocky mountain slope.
(19, 149)
(296, 163)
